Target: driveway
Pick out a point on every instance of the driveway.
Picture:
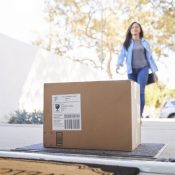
(152, 131)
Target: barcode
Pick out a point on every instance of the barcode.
(71, 116)
(72, 124)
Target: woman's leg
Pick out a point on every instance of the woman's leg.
(142, 78)
(133, 77)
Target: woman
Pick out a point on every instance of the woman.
(139, 59)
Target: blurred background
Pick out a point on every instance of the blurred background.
(79, 40)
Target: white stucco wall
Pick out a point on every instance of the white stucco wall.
(24, 69)
(16, 59)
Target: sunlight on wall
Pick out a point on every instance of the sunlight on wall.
(49, 68)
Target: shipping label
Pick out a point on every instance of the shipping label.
(66, 112)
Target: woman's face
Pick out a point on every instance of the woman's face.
(135, 30)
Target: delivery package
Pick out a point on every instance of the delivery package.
(100, 115)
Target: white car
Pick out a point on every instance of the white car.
(168, 109)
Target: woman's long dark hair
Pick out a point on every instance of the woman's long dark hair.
(129, 36)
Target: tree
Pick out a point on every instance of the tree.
(157, 94)
(76, 24)
(23, 117)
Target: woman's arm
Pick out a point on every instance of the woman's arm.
(150, 58)
(121, 58)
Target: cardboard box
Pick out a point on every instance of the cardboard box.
(103, 115)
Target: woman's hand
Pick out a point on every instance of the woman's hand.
(155, 77)
(118, 67)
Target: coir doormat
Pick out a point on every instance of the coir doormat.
(33, 167)
(144, 150)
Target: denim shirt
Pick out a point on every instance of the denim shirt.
(128, 55)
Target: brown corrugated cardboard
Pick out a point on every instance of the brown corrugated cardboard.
(101, 115)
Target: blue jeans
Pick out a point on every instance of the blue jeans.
(141, 77)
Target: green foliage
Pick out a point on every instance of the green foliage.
(92, 24)
(157, 94)
(23, 117)
(79, 23)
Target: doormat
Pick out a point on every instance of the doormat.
(33, 167)
(144, 150)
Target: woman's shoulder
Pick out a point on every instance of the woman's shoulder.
(145, 41)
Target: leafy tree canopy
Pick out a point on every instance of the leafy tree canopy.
(101, 26)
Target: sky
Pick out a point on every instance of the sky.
(21, 19)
